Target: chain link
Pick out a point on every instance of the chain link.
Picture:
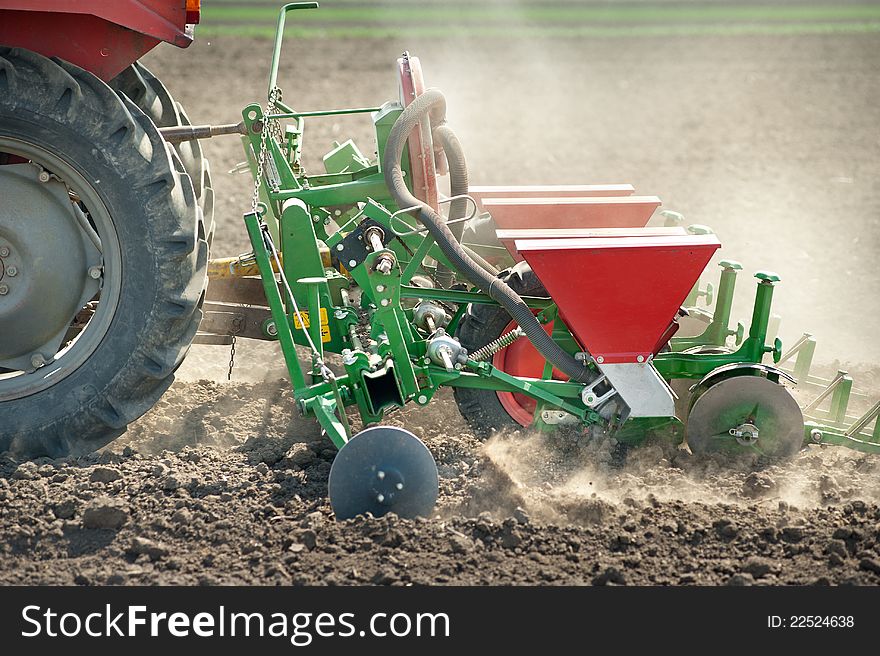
(271, 128)
(231, 358)
(258, 182)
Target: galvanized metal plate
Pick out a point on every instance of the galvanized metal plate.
(743, 401)
(380, 470)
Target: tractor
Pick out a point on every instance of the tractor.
(567, 308)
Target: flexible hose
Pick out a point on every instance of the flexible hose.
(458, 175)
(458, 186)
(433, 101)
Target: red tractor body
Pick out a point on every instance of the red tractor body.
(101, 36)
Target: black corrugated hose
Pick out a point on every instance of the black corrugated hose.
(434, 102)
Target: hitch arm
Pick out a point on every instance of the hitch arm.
(179, 133)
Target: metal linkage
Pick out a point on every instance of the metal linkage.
(840, 389)
(862, 422)
(804, 349)
(179, 133)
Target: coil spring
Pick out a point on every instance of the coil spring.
(496, 345)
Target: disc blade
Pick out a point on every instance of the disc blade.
(746, 400)
(380, 470)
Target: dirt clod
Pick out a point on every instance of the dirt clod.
(105, 512)
(104, 475)
(142, 546)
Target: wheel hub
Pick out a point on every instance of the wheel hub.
(746, 414)
(45, 260)
(745, 434)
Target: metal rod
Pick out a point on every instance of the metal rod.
(179, 133)
(864, 420)
(324, 112)
(279, 36)
(824, 393)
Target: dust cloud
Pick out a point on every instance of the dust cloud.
(556, 484)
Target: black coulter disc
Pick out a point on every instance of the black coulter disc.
(380, 470)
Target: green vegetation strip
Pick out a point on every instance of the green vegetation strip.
(476, 13)
(515, 32)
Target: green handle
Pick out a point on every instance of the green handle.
(777, 350)
(279, 36)
(767, 276)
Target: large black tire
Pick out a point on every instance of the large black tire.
(108, 141)
(149, 93)
(481, 324)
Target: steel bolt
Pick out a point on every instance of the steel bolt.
(37, 360)
(640, 358)
(11, 271)
(352, 263)
(94, 272)
(44, 176)
(4, 290)
(422, 398)
(4, 251)
(384, 302)
(339, 314)
(600, 359)
(380, 288)
(380, 498)
(384, 265)
(271, 329)
(339, 247)
(380, 474)
(399, 486)
(816, 435)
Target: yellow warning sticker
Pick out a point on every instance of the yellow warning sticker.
(325, 323)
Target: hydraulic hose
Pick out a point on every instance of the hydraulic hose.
(433, 101)
(458, 186)
(458, 175)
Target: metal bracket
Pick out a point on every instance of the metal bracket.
(353, 249)
(593, 400)
(642, 388)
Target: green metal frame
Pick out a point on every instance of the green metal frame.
(390, 367)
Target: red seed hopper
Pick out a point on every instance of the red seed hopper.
(558, 212)
(509, 237)
(620, 295)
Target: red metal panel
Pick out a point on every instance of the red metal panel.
(508, 237)
(574, 212)
(420, 146)
(479, 193)
(619, 295)
(102, 36)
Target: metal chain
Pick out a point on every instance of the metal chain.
(274, 131)
(231, 358)
(258, 182)
(269, 127)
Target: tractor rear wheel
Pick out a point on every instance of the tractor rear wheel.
(486, 410)
(99, 225)
(153, 98)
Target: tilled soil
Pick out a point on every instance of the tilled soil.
(222, 482)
